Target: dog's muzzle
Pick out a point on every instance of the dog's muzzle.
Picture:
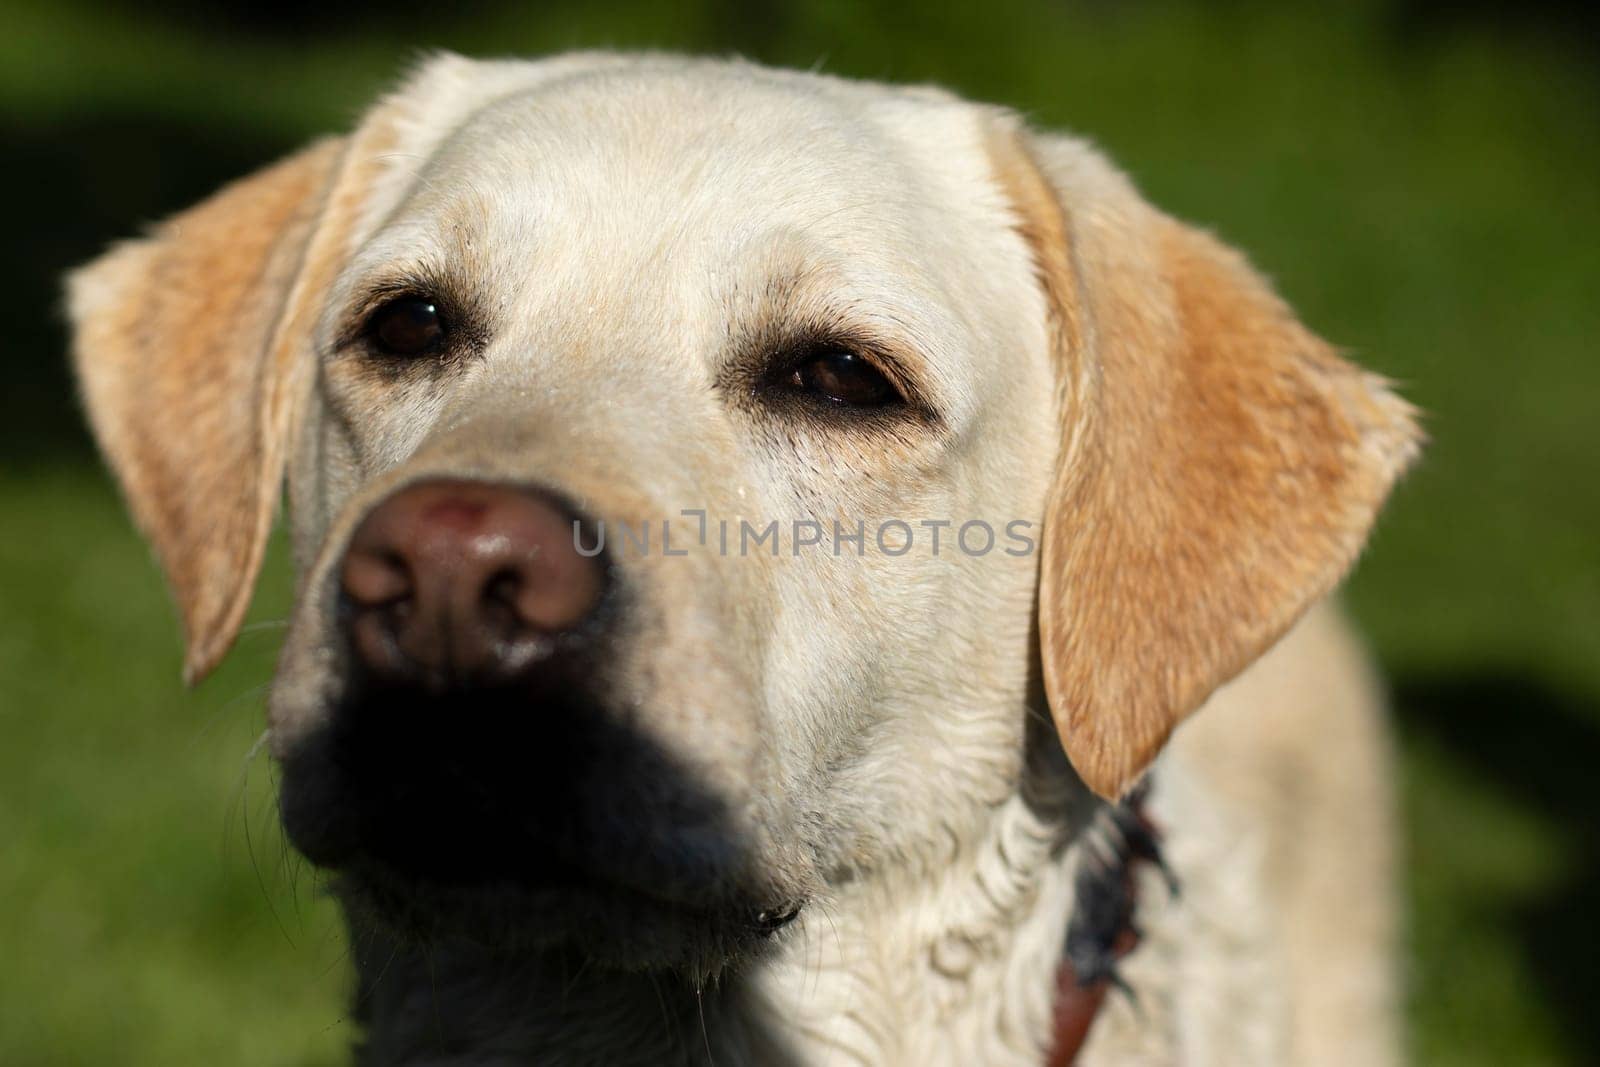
(474, 753)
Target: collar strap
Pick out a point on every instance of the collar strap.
(1102, 929)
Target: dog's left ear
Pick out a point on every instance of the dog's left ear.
(189, 382)
(1219, 466)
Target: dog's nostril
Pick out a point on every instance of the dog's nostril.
(500, 597)
(503, 588)
(373, 579)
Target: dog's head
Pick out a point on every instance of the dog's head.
(697, 470)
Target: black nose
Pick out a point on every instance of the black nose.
(452, 580)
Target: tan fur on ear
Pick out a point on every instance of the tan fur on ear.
(188, 388)
(1219, 467)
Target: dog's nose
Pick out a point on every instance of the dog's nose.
(446, 581)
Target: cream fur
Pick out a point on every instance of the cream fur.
(877, 724)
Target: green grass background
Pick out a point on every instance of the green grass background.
(1423, 184)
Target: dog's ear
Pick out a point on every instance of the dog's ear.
(189, 381)
(1219, 466)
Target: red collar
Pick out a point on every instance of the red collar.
(1102, 930)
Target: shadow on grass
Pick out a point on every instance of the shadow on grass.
(1540, 745)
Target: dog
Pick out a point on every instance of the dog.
(632, 703)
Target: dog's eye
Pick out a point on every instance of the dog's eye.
(845, 378)
(406, 327)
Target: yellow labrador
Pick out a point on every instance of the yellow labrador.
(757, 534)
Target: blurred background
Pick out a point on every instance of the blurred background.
(1422, 179)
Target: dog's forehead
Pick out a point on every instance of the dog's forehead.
(631, 165)
(653, 210)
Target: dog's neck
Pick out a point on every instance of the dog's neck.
(954, 963)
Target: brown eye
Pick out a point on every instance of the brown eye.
(406, 327)
(844, 378)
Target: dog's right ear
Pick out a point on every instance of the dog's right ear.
(190, 380)
(1219, 465)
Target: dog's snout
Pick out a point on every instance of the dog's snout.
(457, 580)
